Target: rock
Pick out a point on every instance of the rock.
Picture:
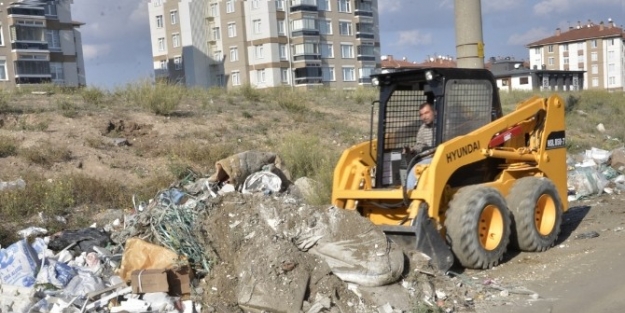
(618, 158)
(601, 128)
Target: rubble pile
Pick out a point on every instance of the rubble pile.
(244, 240)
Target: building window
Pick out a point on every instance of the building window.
(219, 79)
(536, 50)
(345, 28)
(595, 82)
(178, 63)
(550, 48)
(258, 52)
(217, 56)
(327, 51)
(173, 16)
(611, 68)
(347, 51)
(159, 21)
(161, 44)
(325, 27)
(565, 60)
(2, 37)
(234, 54)
(175, 40)
(284, 75)
(523, 81)
(611, 80)
(3, 70)
(254, 4)
(163, 64)
(612, 42)
(214, 10)
(327, 74)
(610, 55)
(281, 27)
(594, 56)
(54, 39)
(56, 72)
(282, 51)
(157, 3)
(229, 6)
(551, 61)
(323, 5)
(260, 76)
(236, 80)
(257, 26)
(348, 74)
(593, 43)
(232, 30)
(365, 72)
(345, 6)
(216, 33)
(50, 8)
(565, 47)
(280, 5)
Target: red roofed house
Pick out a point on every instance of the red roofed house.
(598, 49)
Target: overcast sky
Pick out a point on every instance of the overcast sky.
(116, 36)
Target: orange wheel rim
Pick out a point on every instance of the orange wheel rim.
(545, 215)
(490, 228)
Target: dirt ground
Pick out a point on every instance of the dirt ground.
(578, 275)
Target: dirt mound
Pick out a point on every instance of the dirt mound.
(123, 128)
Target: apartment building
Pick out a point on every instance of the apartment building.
(265, 43)
(597, 49)
(39, 43)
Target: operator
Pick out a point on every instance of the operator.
(425, 140)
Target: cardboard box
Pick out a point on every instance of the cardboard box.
(179, 281)
(146, 281)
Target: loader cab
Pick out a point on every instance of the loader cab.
(464, 100)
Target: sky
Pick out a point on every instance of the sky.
(117, 49)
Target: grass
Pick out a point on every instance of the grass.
(308, 129)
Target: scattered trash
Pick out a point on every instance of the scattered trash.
(587, 235)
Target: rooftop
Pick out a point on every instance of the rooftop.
(582, 32)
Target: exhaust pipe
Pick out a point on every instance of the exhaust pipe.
(469, 40)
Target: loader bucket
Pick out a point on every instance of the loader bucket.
(423, 237)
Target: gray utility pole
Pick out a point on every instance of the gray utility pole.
(469, 40)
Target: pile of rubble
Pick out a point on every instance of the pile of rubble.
(243, 240)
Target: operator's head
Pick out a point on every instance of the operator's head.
(427, 113)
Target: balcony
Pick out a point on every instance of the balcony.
(304, 5)
(27, 11)
(29, 46)
(305, 27)
(305, 32)
(32, 71)
(364, 9)
(308, 75)
(365, 31)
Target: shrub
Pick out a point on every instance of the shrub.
(45, 154)
(8, 147)
(93, 95)
(160, 99)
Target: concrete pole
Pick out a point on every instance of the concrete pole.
(469, 40)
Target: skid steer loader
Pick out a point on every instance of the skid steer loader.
(493, 179)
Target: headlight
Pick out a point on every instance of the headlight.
(429, 75)
(375, 81)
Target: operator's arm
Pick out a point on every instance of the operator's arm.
(424, 140)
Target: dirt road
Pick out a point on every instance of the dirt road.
(582, 273)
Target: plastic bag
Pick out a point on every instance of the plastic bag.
(140, 254)
(586, 181)
(262, 182)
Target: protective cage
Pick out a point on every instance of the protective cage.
(466, 105)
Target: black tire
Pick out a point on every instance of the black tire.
(537, 213)
(478, 226)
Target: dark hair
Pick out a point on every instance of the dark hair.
(422, 105)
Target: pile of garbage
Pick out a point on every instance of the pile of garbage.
(596, 171)
(244, 240)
